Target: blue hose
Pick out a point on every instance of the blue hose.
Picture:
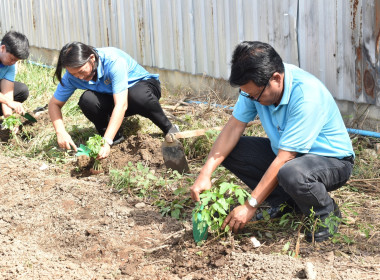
(349, 130)
(213, 104)
(39, 64)
(364, 132)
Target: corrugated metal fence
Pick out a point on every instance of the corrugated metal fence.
(336, 40)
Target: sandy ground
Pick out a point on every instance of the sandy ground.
(57, 226)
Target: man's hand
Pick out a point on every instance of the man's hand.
(64, 141)
(201, 184)
(239, 217)
(104, 151)
(17, 107)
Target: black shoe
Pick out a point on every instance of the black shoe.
(118, 140)
(323, 232)
(275, 212)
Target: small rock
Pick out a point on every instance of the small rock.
(377, 148)
(310, 271)
(220, 262)
(256, 243)
(44, 167)
(140, 205)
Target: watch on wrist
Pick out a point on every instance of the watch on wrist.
(253, 202)
(108, 141)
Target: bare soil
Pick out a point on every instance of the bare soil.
(58, 222)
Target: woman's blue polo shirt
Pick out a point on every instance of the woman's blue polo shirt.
(117, 71)
(307, 120)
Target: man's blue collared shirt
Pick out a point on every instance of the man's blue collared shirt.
(116, 72)
(307, 120)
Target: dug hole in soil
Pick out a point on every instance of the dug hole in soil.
(61, 223)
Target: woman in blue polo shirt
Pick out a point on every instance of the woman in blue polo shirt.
(116, 87)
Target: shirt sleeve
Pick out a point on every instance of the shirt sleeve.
(244, 109)
(119, 75)
(63, 92)
(11, 73)
(304, 124)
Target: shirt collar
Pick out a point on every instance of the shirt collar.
(99, 69)
(100, 65)
(288, 78)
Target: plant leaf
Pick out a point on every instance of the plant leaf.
(219, 208)
(223, 203)
(224, 187)
(240, 195)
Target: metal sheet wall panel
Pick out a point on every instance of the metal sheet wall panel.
(338, 41)
(193, 36)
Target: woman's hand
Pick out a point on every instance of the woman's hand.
(64, 141)
(104, 151)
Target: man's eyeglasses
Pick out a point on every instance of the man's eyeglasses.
(251, 97)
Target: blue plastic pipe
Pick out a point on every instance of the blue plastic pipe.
(39, 64)
(349, 130)
(364, 132)
(213, 104)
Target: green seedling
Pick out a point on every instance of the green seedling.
(11, 123)
(215, 205)
(175, 207)
(94, 144)
(138, 179)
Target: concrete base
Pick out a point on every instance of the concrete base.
(360, 116)
(197, 83)
(44, 56)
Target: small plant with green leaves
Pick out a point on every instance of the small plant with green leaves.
(313, 223)
(11, 122)
(286, 250)
(216, 203)
(95, 143)
(138, 179)
(175, 207)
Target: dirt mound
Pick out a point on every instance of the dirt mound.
(136, 148)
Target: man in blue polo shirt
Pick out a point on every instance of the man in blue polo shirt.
(116, 87)
(14, 46)
(308, 151)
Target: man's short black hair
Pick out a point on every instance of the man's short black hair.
(16, 44)
(254, 61)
